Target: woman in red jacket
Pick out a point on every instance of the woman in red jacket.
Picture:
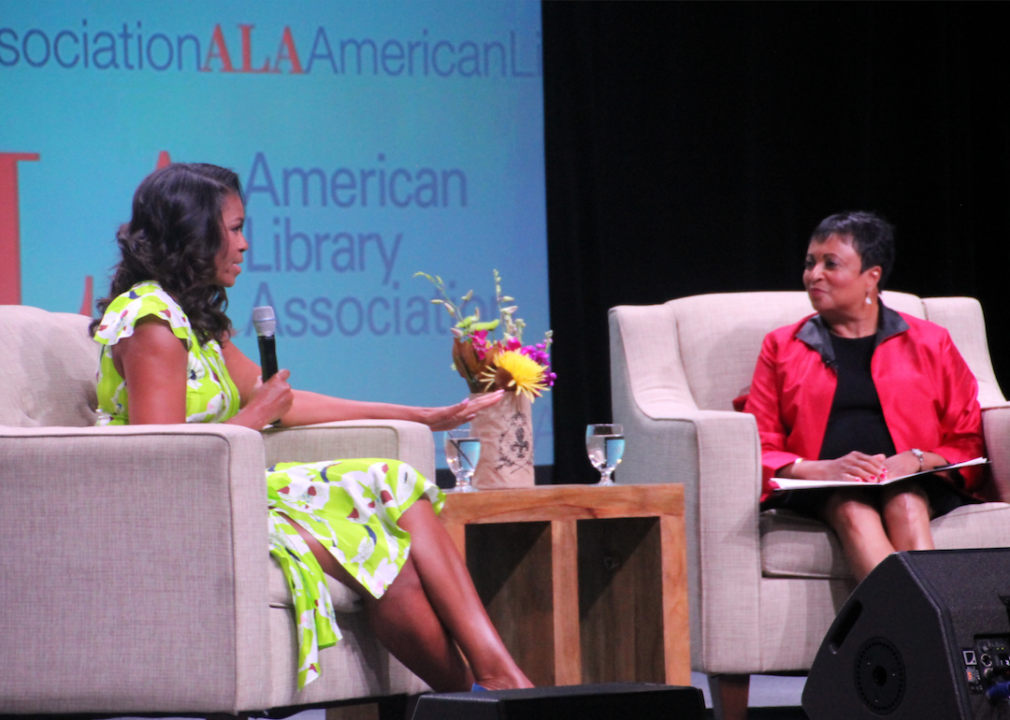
(862, 393)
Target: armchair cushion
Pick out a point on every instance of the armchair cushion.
(793, 545)
(49, 369)
(344, 599)
(796, 546)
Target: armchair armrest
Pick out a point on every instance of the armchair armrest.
(996, 428)
(133, 570)
(395, 439)
(716, 455)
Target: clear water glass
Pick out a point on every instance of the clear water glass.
(462, 452)
(605, 446)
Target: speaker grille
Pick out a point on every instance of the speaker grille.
(880, 676)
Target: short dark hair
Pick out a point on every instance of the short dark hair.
(174, 237)
(872, 237)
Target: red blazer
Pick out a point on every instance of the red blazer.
(928, 395)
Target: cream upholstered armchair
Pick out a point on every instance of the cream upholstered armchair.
(135, 572)
(764, 587)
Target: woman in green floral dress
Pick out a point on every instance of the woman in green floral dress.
(370, 523)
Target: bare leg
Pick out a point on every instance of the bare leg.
(906, 515)
(450, 590)
(857, 522)
(405, 622)
(729, 696)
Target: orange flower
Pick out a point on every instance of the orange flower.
(469, 365)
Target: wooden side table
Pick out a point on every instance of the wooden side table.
(584, 583)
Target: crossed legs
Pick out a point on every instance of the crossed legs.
(429, 609)
(872, 527)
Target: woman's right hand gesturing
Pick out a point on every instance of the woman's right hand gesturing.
(451, 416)
(270, 401)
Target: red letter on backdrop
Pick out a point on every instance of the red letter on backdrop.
(217, 41)
(286, 51)
(247, 51)
(10, 228)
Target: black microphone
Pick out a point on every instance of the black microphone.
(265, 324)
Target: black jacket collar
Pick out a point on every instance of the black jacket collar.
(815, 334)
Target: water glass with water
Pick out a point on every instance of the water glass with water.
(605, 446)
(462, 451)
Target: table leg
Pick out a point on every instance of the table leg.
(676, 631)
(511, 565)
(565, 576)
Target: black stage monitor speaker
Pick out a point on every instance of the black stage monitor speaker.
(925, 635)
(604, 701)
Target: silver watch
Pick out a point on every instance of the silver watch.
(918, 453)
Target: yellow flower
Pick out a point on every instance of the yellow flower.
(513, 369)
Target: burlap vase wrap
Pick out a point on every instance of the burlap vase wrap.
(506, 444)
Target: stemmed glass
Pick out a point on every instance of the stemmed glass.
(462, 451)
(605, 446)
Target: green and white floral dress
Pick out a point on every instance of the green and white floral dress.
(350, 506)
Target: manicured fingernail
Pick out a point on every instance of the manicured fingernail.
(873, 477)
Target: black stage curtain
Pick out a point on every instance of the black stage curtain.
(692, 147)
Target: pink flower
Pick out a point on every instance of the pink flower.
(537, 353)
(513, 344)
(479, 342)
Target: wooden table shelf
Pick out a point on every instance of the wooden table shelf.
(584, 583)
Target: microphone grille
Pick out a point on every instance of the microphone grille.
(264, 321)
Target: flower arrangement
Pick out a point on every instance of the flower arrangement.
(490, 364)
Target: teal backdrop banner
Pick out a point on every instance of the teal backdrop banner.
(373, 139)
